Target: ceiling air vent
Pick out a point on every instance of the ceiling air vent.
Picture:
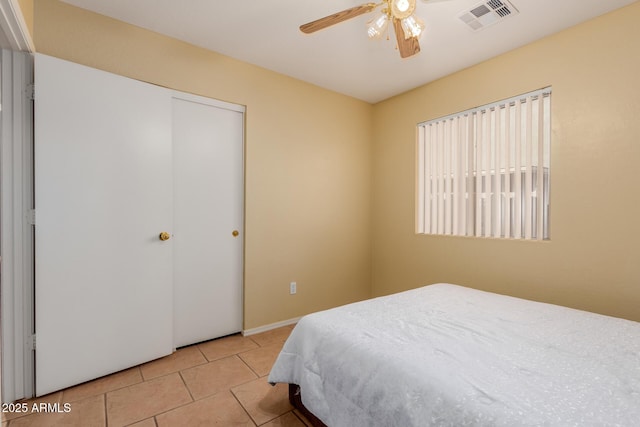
(487, 13)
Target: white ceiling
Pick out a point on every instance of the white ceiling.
(341, 57)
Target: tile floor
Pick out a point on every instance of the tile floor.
(221, 382)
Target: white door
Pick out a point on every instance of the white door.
(208, 191)
(103, 193)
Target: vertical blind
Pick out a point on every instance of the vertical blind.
(484, 172)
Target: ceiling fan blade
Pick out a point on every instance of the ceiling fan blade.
(336, 18)
(407, 47)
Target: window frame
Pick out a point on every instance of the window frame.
(491, 140)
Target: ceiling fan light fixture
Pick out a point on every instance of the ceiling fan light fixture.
(402, 5)
(396, 13)
(377, 27)
(412, 26)
(401, 9)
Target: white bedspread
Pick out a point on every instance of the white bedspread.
(452, 356)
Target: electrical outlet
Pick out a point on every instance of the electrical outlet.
(293, 288)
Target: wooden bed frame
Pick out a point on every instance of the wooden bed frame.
(295, 397)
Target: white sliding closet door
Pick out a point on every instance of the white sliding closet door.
(208, 191)
(103, 193)
(118, 162)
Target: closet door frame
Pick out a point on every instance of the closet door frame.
(16, 227)
(16, 173)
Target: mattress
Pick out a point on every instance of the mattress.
(446, 355)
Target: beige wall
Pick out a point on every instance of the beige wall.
(308, 151)
(592, 261)
(309, 159)
(26, 7)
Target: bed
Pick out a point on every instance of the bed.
(449, 355)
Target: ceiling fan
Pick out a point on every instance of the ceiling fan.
(400, 13)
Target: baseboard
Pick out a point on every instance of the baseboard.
(269, 327)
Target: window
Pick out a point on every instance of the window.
(484, 172)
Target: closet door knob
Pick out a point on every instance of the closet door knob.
(235, 233)
(164, 236)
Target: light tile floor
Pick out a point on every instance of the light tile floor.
(222, 382)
